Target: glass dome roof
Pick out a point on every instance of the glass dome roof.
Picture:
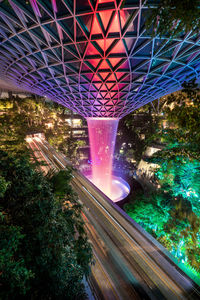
(92, 56)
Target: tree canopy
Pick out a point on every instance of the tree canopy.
(173, 17)
(20, 117)
(44, 248)
(135, 130)
(172, 222)
(171, 212)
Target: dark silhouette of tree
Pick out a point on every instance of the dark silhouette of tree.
(182, 112)
(173, 17)
(135, 130)
(44, 248)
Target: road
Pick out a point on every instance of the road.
(129, 264)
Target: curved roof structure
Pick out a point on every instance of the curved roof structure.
(92, 56)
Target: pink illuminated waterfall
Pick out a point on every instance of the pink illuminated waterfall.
(102, 136)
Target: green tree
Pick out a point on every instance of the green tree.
(179, 160)
(175, 223)
(173, 17)
(49, 243)
(20, 117)
(172, 222)
(151, 211)
(135, 131)
(15, 276)
(182, 136)
(183, 112)
(182, 233)
(180, 176)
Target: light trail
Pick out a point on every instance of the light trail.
(59, 161)
(126, 243)
(158, 271)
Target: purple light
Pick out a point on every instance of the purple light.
(35, 8)
(96, 58)
(106, 62)
(102, 135)
(54, 6)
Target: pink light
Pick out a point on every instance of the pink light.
(60, 32)
(54, 6)
(120, 188)
(102, 136)
(35, 8)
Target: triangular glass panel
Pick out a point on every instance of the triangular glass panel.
(96, 78)
(68, 26)
(72, 49)
(104, 65)
(81, 47)
(115, 25)
(109, 85)
(103, 74)
(68, 56)
(118, 48)
(91, 50)
(131, 27)
(111, 77)
(82, 6)
(62, 10)
(123, 65)
(105, 18)
(119, 75)
(94, 62)
(108, 42)
(85, 22)
(101, 44)
(85, 68)
(114, 61)
(96, 28)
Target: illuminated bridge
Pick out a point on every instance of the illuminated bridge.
(94, 57)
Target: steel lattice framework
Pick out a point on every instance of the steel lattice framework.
(92, 56)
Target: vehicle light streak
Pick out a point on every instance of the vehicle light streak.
(106, 211)
(41, 152)
(138, 249)
(140, 254)
(59, 161)
(45, 146)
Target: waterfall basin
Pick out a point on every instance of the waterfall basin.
(119, 188)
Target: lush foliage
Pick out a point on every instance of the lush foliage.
(44, 248)
(183, 111)
(173, 17)
(20, 117)
(181, 177)
(172, 213)
(182, 135)
(15, 276)
(172, 222)
(135, 130)
(152, 215)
